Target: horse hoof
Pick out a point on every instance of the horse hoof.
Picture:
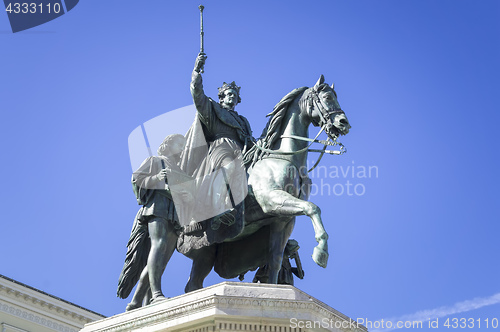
(320, 256)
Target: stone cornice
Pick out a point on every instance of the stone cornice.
(33, 317)
(224, 302)
(24, 301)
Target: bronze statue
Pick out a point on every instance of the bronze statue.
(278, 191)
(287, 271)
(248, 192)
(156, 226)
(220, 170)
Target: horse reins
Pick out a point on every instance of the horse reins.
(313, 99)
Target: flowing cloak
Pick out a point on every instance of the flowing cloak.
(156, 200)
(216, 134)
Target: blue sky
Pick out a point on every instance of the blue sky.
(418, 81)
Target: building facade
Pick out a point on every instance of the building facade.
(27, 309)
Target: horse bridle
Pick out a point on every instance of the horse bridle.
(324, 114)
(312, 101)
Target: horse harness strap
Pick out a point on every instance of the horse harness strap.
(289, 152)
(322, 151)
(313, 99)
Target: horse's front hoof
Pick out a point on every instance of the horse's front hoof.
(320, 256)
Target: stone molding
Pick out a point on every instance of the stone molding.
(41, 308)
(228, 306)
(34, 318)
(9, 328)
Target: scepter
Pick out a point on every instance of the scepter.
(202, 51)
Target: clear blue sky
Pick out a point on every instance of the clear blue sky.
(418, 80)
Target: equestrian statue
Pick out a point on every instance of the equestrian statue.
(239, 214)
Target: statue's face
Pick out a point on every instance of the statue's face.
(230, 99)
(177, 146)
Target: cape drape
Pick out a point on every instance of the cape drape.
(196, 162)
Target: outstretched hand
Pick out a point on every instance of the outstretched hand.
(200, 62)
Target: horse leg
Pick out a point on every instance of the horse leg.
(280, 232)
(203, 263)
(281, 203)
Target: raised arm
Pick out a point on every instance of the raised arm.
(201, 101)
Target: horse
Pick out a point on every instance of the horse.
(278, 188)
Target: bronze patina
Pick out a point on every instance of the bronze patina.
(248, 192)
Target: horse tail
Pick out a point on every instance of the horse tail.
(136, 259)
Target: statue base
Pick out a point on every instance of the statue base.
(232, 306)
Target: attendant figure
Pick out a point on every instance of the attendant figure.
(156, 225)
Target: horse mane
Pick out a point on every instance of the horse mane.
(270, 133)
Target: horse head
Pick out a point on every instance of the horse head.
(324, 110)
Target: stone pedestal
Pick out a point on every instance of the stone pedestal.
(232, 306)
